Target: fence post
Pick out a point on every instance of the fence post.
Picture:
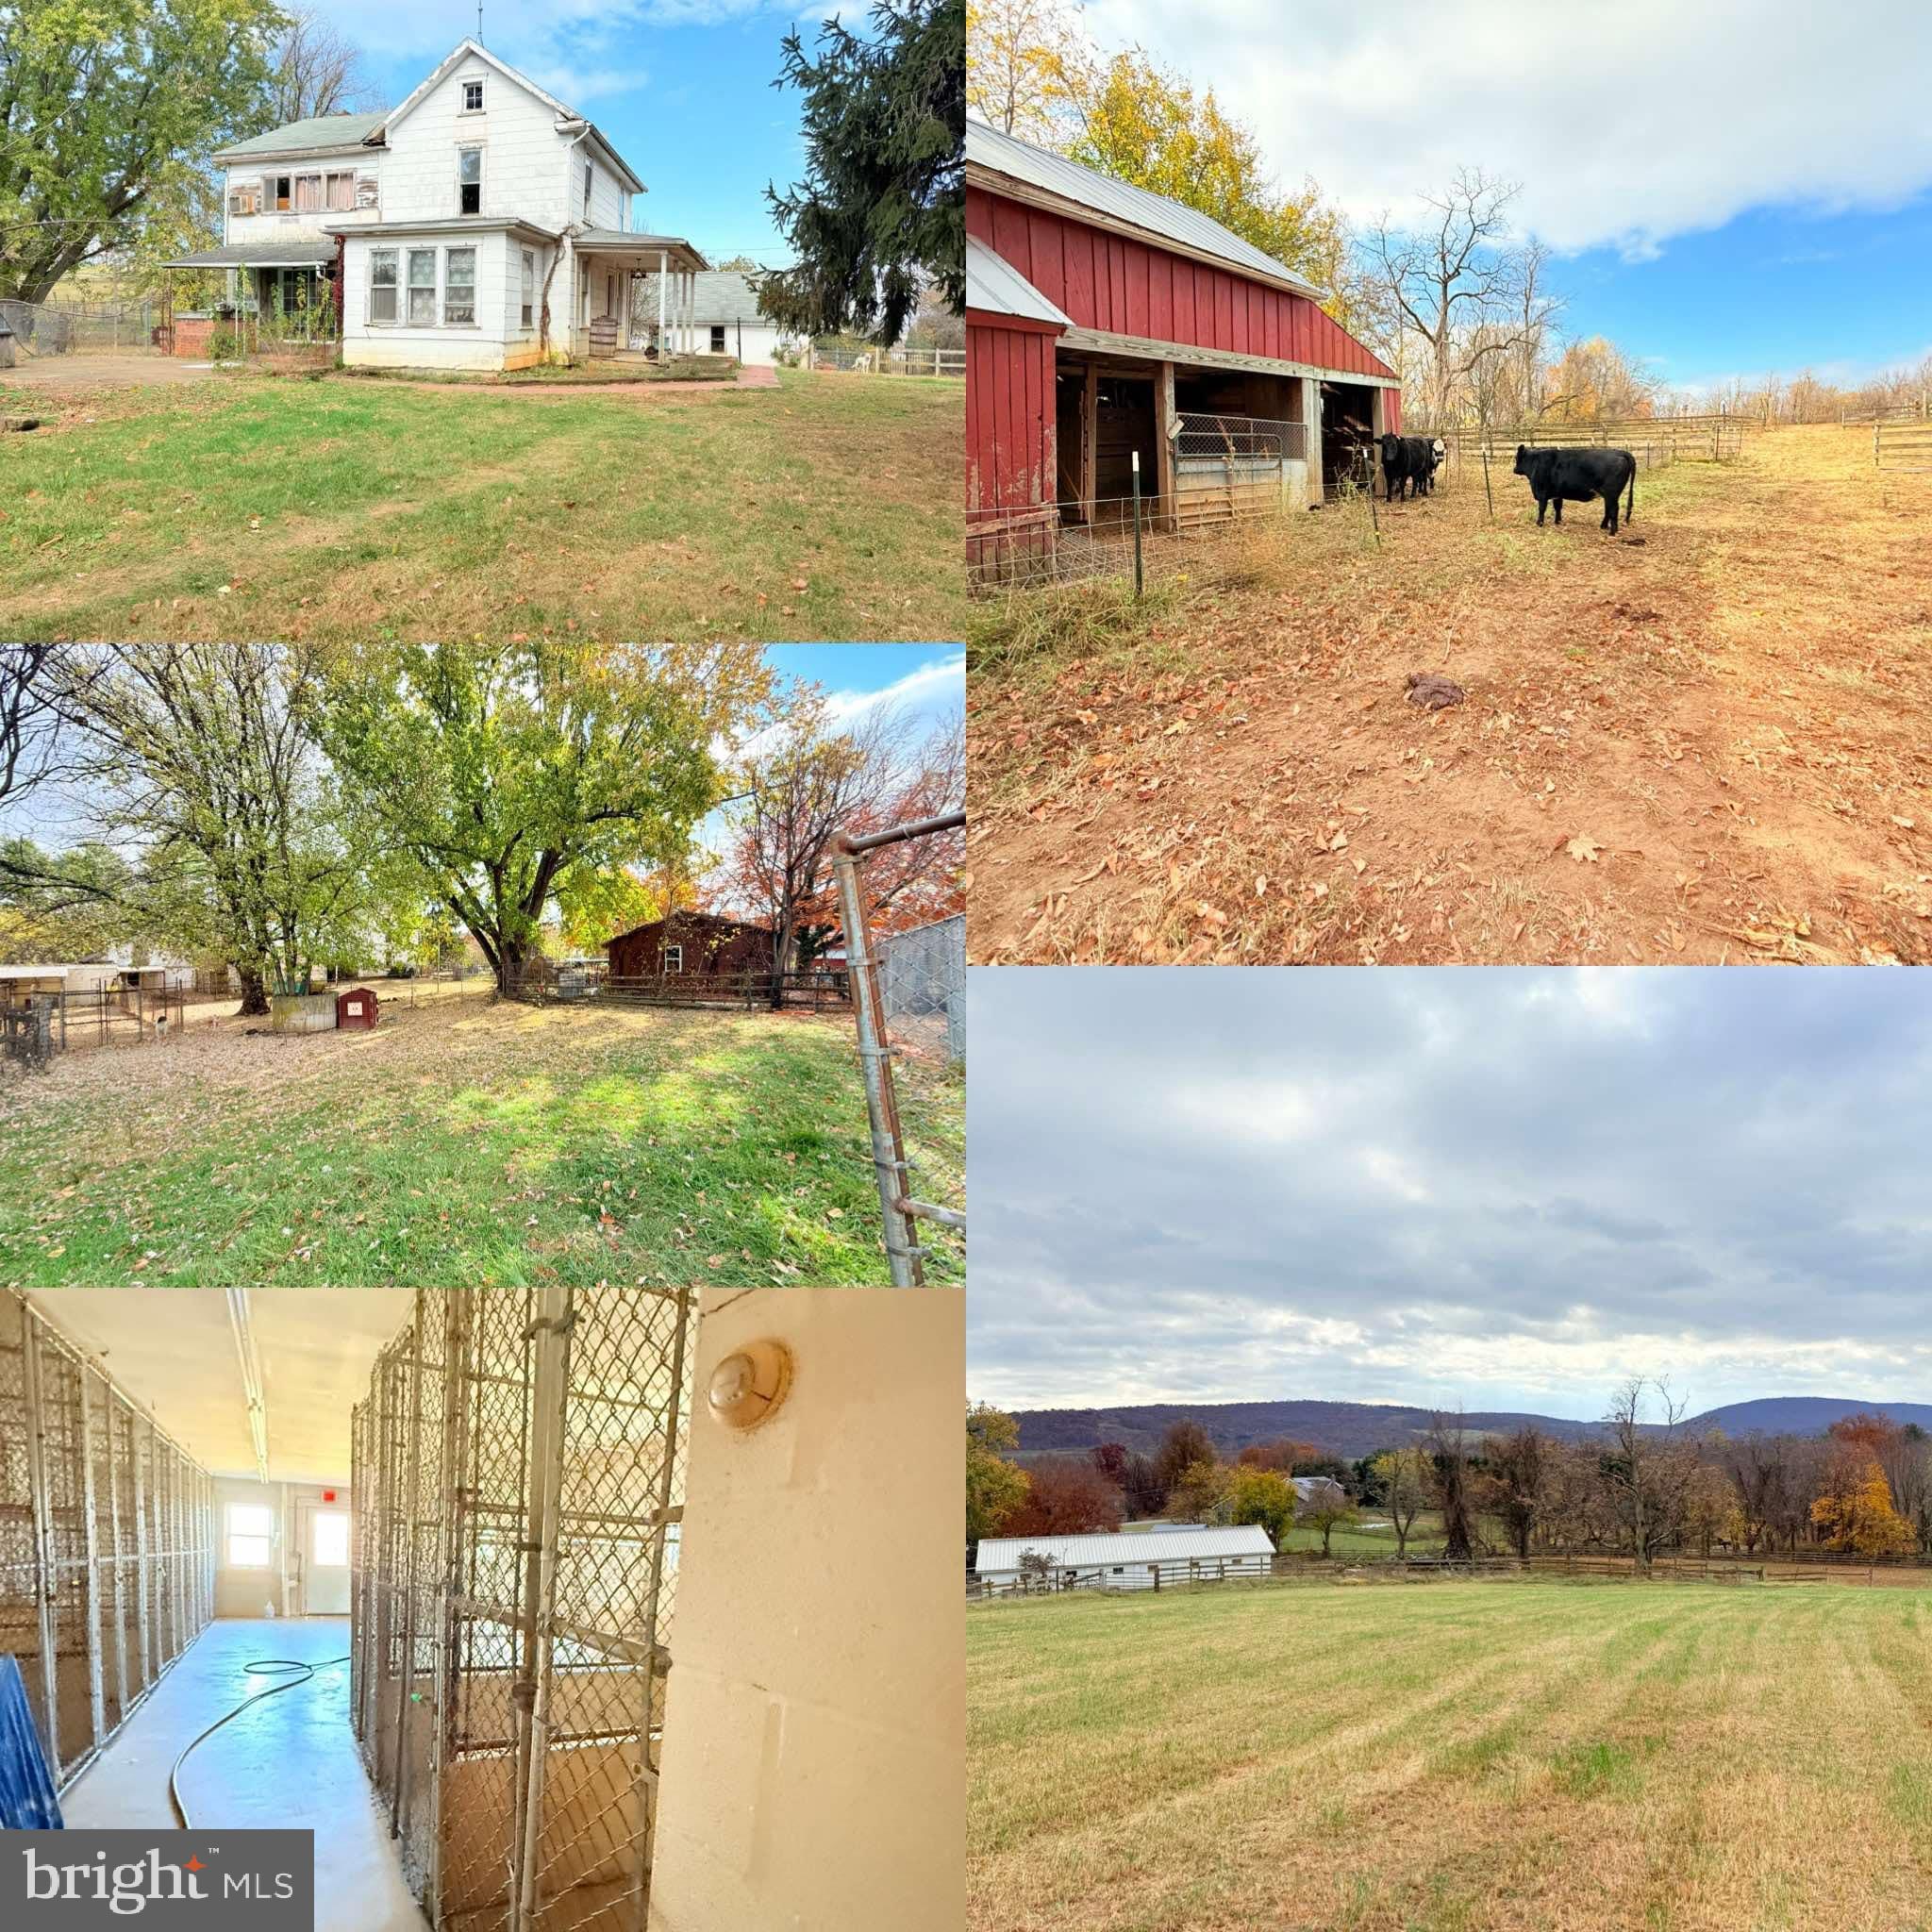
(876, 1069)
(1488, 495)
(1136, 524)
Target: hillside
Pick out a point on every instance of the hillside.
(1350, 1429)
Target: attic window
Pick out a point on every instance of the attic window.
(472, 97)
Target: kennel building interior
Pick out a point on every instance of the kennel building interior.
(469, 1513)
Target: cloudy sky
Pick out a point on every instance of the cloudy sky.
(1742, 186)
(682, 87)
(1509, 1189)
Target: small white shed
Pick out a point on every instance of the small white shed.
(1131, 1560)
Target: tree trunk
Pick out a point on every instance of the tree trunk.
(254, 993)
(513, 956)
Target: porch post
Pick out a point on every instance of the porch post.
(663, 275)
(1165, 450)
(1312, 433)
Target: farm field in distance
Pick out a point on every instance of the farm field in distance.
(1453, 1757)
(466, 1142)
(1702, 743)
(250, 507)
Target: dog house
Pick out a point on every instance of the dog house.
(357, 1008)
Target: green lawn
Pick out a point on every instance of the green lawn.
(466, 1142)
(253, 507)
(1453, 1757)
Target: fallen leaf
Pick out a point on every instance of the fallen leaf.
(1583, 847)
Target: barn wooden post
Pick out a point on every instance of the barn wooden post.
(1311, 435)
(1168, 508)
(1090, 442)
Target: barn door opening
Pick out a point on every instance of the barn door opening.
(1123, 426)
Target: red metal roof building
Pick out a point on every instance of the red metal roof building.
(1105, 322)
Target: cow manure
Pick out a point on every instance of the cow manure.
(1639, 541)
(1434, 692)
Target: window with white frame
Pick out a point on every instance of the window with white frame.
(251, 1536)
(470, 180)
(382, 285)
(717, 339)
(459, 285)
(472, 97)
(530, 288)
(423, 285)
(275, 190)
(341, 192)
(674, 958)
(307, 194)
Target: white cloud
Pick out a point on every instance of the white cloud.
(1626, 125)
(941, 682)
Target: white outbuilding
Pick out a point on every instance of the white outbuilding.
(1132, 1559)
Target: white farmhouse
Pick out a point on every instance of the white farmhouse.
(1194, 1553)
(482, 225)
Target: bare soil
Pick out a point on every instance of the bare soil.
(1701, 742)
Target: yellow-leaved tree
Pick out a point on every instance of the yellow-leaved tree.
(1857, 1515)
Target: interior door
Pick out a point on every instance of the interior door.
(323, 1589)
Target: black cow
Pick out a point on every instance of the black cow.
(1426, 458)
(1403, 464)
(1575, 476)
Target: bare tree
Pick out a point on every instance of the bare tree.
(1454, 280)
(1759, 1469)
(1650, 1466)
(319, 71)
(1513, 1486)
(32, 678)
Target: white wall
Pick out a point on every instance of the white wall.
(814, 1767)
(438, 345)
(246, 1592)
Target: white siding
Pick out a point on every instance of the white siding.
(403, 345)
(530, 170)
(365, 163)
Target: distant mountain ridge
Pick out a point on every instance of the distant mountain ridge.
(1350, 1429)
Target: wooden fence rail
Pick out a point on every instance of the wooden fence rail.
(1902, 446)
(568, 984)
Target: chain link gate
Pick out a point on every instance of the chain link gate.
(518, 1469)
(107, 1542)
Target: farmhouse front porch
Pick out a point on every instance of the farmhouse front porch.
(613, 317)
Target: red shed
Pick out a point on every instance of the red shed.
(1103, 322)
(357, 1008)
(689, 942)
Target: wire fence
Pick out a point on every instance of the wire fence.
(106, 1540)
(922, 985)
(518, 1468)
(570, 982)
(1654, 442)
(857, 360)
(104, 1016)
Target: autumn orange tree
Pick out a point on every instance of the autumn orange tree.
(1856, 1514)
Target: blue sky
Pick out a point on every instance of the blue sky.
(1505, 1188)
(1734, 189)
(681, 87)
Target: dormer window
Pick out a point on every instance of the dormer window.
(472, 97)
(470, 180)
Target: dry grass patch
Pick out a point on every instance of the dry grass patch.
(1453, 1757)
(1697, 743)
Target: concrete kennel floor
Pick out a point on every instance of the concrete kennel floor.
(291, 1761)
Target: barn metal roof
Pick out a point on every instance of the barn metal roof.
(993, 283)
(1119, 201)
(1141, 1546)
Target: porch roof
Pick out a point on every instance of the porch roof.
(678, 253)
(316, 254)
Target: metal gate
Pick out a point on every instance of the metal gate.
(106, 1540)
(519, 1491)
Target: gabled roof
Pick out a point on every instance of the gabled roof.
(1135, 1546)
(1118, 203)
(993, 284)
(308, 137)
(568, 118)
(720, 295)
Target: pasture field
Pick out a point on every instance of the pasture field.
(1453, 1757)
(464, 1143)
(249, 507)
(1703, 741)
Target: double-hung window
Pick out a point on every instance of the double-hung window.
(674, 958)
(307, 194)
(472, 97)
(470, 180)
(422, 286)
(341, 193)
(459, 285)
(717, 339)
(382, 285)
(530, 288)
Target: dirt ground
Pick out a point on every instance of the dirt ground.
(1703, 741)
(134, 370)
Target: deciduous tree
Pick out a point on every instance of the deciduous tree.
(1264, 1496)
(1184, 1444)
(994, 1487)
(1326, 1507)
(1065, 1496)
(1407, 1482)
(1855, 1513)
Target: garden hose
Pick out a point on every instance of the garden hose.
(262, 1668)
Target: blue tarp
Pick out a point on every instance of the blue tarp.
(26, 1786)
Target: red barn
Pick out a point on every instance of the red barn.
(1105, 322)
(689, 943)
